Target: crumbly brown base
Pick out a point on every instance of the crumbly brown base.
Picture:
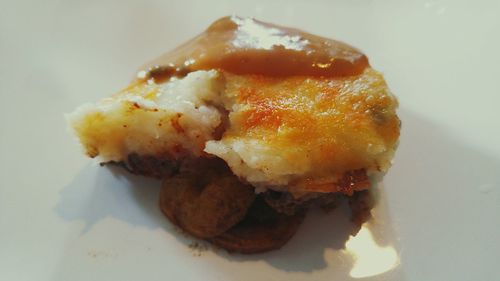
(262, 230)
(275, 216)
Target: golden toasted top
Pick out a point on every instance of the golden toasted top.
(330, 125)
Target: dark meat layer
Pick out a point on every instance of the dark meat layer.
(149, 166)
(361, 204)
(207, 204)
(285, 203)
(263, 229)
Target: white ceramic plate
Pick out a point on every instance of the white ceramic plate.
(62, 217)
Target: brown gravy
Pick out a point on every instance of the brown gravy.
(247, 46)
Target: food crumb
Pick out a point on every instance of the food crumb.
(197, 248)
(101, 254)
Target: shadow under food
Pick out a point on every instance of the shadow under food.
(97, 193)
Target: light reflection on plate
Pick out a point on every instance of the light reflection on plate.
(370, 259)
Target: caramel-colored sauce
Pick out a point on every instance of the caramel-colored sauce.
(248, 46)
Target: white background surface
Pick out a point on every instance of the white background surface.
(64, 218)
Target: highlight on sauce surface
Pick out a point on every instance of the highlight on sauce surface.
(248, 46)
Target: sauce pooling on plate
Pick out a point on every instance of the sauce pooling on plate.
(247, 46)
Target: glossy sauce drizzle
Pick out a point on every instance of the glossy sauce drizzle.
(247, 46)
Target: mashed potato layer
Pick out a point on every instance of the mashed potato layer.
(296, 133)
(173, 119)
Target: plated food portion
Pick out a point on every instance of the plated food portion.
(249, 124)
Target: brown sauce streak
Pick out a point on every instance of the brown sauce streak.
(247, 46)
